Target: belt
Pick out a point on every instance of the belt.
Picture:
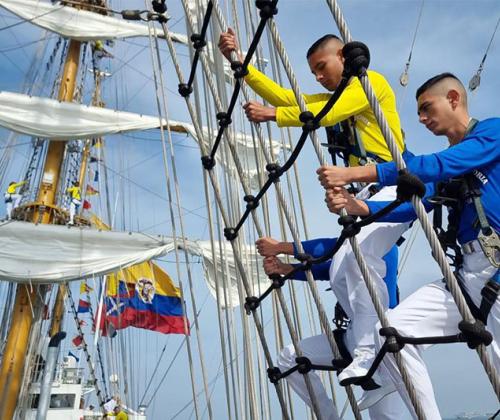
(471, 247)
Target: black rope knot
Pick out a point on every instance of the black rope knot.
(230, 233)
(409, 185)
(238, 69)
(393, 342)
(310, 124)
(185, 90)
(356, 59)
(159, 6)
(475, 333)
(278, 281)
(198, 41)
(274, 171)
(252, 203)
(267, 8)
(304, 365)
(251, 304)
(208, 162)
(224, 119)
(274, 374)
(350, 228)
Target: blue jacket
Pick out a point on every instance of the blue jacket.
(319, 247)
(478, 153)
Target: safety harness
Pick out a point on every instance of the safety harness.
(453, 194)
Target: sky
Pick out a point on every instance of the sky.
(452, 36)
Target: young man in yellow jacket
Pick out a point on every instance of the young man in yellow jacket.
(76, 199)
(326, 62)
(12, 198)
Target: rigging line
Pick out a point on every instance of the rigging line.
(123, 177)
(30, 19)
(219, 373)
(239, 262)
(174, 357)
(476, 79)
(159, 84)
(222, 210)
(403, 80)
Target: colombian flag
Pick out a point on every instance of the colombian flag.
(144, 296)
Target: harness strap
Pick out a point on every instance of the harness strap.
(489, 295)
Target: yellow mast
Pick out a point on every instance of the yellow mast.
(11, 369)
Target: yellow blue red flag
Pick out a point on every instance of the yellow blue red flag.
(144, 296)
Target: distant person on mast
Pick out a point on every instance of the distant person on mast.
(76, 200)
(12, 198)
(366, 146)
(119, 413)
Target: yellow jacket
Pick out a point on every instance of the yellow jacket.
(11, 189)
(75, 192)
(352, 103)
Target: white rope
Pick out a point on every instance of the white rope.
(225, 218)
(163, 110)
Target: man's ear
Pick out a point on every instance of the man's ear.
(453, 97)
(340, 55)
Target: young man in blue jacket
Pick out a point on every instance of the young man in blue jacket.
(430, 311)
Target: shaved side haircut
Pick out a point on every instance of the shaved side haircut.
(321, 43)
(436, 80)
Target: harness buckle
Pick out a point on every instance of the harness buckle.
(490, 244)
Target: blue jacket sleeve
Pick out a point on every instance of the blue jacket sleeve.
(478, 149)
(405, 212)
(319, 272)
(317, 247)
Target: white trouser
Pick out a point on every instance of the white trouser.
(375, 240)
(431, 311)
(317, 349)
(347, 283)
(73, 208)
(13, 202)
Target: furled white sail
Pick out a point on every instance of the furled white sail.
(80, 25)
(54, 120)
(50, 253)
(216, 271)
(45, 254)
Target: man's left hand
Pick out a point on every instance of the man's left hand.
(258, 113)
(339, 198)
(333, 176)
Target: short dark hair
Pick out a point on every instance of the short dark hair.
(320, 42)
(433, 81)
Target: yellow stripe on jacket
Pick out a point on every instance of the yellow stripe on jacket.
(352, 103)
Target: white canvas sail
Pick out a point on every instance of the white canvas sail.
(45, 254)
(54, 120)
(80, 25)
(32, 253)
(214, 268)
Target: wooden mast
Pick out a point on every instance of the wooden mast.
(13, 360)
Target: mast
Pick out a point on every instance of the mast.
(13, 360)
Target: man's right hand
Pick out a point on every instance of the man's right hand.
(229, 44)
(273, 265)
(269, 247)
